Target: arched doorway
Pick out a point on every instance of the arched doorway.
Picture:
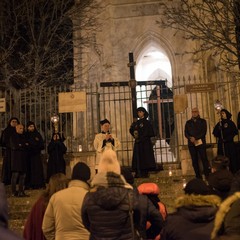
(153, 64)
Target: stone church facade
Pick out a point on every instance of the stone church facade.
(131, 26)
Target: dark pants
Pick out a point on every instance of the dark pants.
(20, 176)
(196, 152)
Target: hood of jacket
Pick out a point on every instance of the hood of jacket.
(198, 208)
(223, 210)
(109, 190)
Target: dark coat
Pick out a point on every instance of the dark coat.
(105, 209)
(34, 176)
(56, 162)
(18, 145)
(225, 131)
(148, 213)
(227, 220)
(193, 218)
(196, 128)
(6, 153)
(143, 155)
(5, 233)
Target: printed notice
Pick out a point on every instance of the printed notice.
(2, 105)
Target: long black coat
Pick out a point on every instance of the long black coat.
(35, 176)
(6, 152)
(18, 145)
(56, 162)
(143, 155)
(225, 131)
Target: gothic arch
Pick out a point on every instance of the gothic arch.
(156, 40)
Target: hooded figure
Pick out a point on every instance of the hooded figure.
(143, 159)
(6, 150)
(225, 131)
(5, 233)
(105, 210)
(34, 175)
(194, 215)
(56, 150)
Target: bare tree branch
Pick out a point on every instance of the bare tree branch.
(212, 23)
(36, 44)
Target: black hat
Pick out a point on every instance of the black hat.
(127, 175)
(104, 121)
(198, 187)
(81, 171)
(142, 109)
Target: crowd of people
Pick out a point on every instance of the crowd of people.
(108, 204)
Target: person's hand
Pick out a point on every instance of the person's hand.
(108, 136)
(192, 139)
(135, 134)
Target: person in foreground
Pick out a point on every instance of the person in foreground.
(33, 226)
(151, 220)
(5, 233)
(194, 215)
(62, 219)
(227, 220)
(105, 210)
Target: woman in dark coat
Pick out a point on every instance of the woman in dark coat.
(56, 150)
(225, 131)
(143, 155)
(6, 150)
(34, 175)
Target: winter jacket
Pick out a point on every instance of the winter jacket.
(105, 210)
(227, 221)
(33, 226)
(193, 218)
(196, 128)
(5, 233)
(149, 215)
(62, 219)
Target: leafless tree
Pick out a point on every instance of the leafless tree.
(38, 38)
(214, 24)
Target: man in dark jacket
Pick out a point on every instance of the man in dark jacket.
(195, 132)
(5, 233)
